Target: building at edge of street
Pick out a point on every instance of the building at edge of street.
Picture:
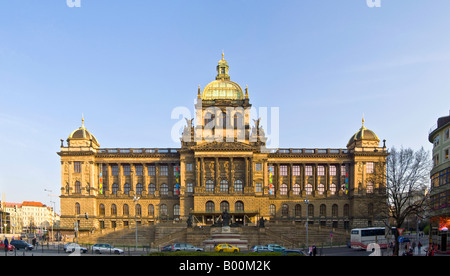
(222, 164)
(440, 182)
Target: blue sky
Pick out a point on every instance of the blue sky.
(127, 64)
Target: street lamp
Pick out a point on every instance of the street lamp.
(135, 200)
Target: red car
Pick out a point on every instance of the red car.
(2, 247)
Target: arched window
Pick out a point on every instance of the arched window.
(151, 189)
(139, 189)
(298, 210)
(223, 120)
(346, 210)
(238, 186)
(209, 206)
(369, 187)
(163, 210)
(77, 208)
(310, 210)
(138, 210)
(126, 188)
(224, 206)
(101, 210)
(151, 210)
(209, 186)
(113, 210)
(77, 187)
(370, 209)
(283, 189)
(176, 210)
(285, 210)
(224, 186)
(308, 189)
(238, 121)
(321, 188)
(272, 210)
(164, 190)
(323, 210)
(239, 206)
(296, 189)
(333, 188)
(115, 188)
(334, 210)
(126, 210)
(209, 120)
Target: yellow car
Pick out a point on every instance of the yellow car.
(225, 247)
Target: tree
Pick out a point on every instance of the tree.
(407, 179)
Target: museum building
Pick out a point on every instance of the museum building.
(222, 164)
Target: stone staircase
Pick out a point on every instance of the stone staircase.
(156, 236)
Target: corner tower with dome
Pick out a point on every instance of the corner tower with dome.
(222, 164)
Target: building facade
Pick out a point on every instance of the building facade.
(28, 216)
(222, 164)
(440, 179)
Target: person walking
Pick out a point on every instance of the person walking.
(419, 246)
(6, 243)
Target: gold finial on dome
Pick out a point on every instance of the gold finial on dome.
(363, 120)
(223, 55)
(82, 120)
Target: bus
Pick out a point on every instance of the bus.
(360, 238)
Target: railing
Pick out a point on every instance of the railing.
(320, 151)
(139, 150)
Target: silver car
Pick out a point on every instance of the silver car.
(185, 247)
(72, 247)
(100, 248)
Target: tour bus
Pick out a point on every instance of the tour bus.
(361, 237)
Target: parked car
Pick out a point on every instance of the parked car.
(72, 247)
(185, 247)
(294, 252)
(260, 248)
(10, 247)
(275, 248)
(167, 248)
(106, 248)
(225, 247)
(18, 244)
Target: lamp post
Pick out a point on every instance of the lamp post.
(135, 200)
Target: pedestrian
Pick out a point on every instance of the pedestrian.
(314, 250)
(6, 243)
(419, 246)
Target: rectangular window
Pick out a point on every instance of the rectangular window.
(320, 170)
(138, 169)
(332, 170)
(369, 167)
(343, 170)
(296, 170)
(151, 170)
(283, 170)
(189, 167)
(77, 167)
(258, 167)
(189, 188)
(164, 170)
(308, 170)
(114, 170)
(258, 188)
(126, 170)
(436, 141)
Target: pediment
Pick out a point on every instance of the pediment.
(223, 146)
